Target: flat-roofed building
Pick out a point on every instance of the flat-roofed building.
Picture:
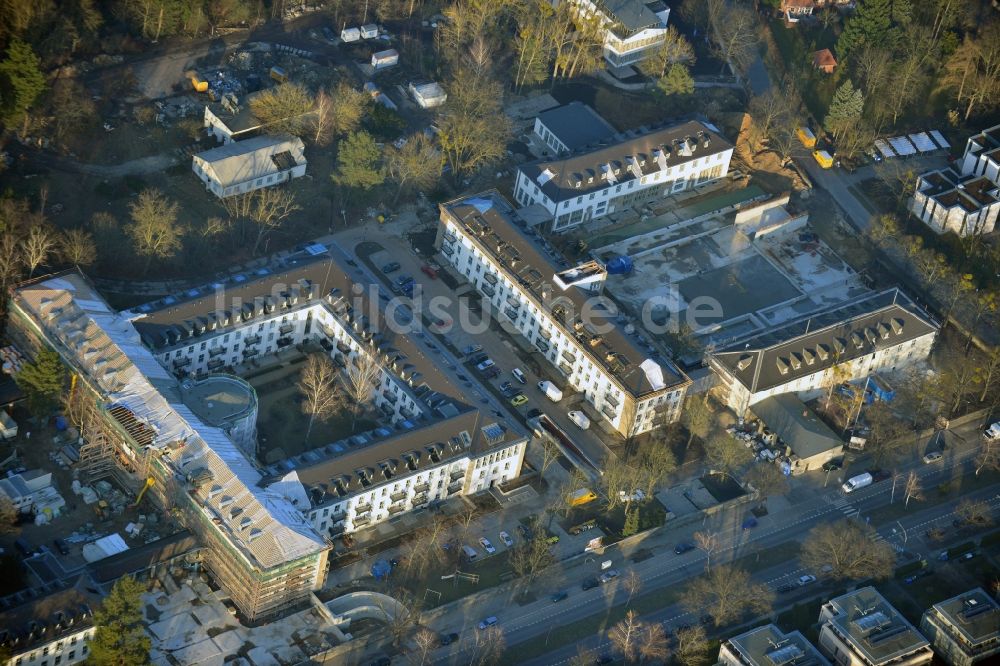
(572, 127)
(861, 628)
(559, 310)
(965, 629)
(966, 205)
(628, 170)
(769, 646)
(881, 331)
(982, 155)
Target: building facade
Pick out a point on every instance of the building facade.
(632, 29)
(964, 630)
(966, 201)
(636, 168)
(883, 331)
(861, 628)
(52, 629)
(769, 646)
(559, 310)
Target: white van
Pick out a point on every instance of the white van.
(580, 420)
(518, 375)
(855, 482)
(470, 553)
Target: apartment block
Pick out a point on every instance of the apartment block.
(50, 628)
(965, 629)
(633, 29)
(559, 310)
(627, 170)
(881, 331)
(769, 646)
(861, 628)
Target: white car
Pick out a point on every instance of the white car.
(487, 546)
(993, 432)
(808, 579)
(933, 456)
(507, 541)
(580, 420)
(636, 496)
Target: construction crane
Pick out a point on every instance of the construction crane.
(149, 484)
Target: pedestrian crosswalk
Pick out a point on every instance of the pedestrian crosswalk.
(843, 505)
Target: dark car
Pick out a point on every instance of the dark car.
(706, 619)
(832, 465)
(590, 584)
(604, 659)
(682, 548)
(559, 596)
(447, 639)
(880, 475)
(787, 587)
(920, 574)
(749, 523)
(491, 372)
(478, 358)
(391, 267)
(534, 413)
(525, 531)
(61, 546)
(472, 349)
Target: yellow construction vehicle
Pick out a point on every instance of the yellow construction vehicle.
(149, 484)
(824, 158)
(199, 84)
(806, 136)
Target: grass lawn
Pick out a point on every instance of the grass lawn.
(492, 571)
(804, 616)
(768, 557)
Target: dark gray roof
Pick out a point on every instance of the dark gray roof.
(974, 613)
(45, 618)
(140, 558)
(808, 345)
(678, 144)
(534, 269)
(576, 125)
(633, 15)
(796, 425)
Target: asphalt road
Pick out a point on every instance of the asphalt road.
(664, 569)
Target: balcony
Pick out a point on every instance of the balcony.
(488, 290)
(419, 499)
(250, 352)
(542, 333)
(217, 363)
(421, 487)
(511, 313)
(217, 351)
(362, 520)
(251, 340)
(450, 237)
(490, 277)
(362, 508)
(458, 474)
(285, 329)
(284, 342)
(455, 488)
(398, 497)
(396, 508)
(566, 369)
(542, 345)
(181, 362)
(448, 249)
(608, 411)
(568, 357)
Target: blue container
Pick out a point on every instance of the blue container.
(61, 423)
(620, 266)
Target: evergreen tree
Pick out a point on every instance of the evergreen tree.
(21, 82)
(845, 109)
(871, 25)
(677, 81)
(120, 638)
(631, 525)
(359, 162)
(42, 381)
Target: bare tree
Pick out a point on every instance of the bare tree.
(733, 28)
(653, 644)
(620, 480)
(697, 417)
(692, 646)
(474, 128)
(626, 635)
(266, 209)
(530, 556)
(488, 647)
(426, 641)
(38, 246)
(727, 455)
(768, 481)
(727, 594)
(320, 389)
(989, 456)
(550, 453)
(769, 113)
(845, 550)
(322, 121)
(416, 165)
(363, 374)
(583, 657)
(914, 489)
(154, 229)
(632, 584)
(11, 259)
(8, 516)
(708, 543)
(78, 248)
(653, 463)
(975, 513)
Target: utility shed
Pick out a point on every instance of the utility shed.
(811, 442)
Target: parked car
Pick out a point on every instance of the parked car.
(609, 575)
(933, 457)
(833, 465)
(429, 271)
(750, 523)
(533, 413)
(485, 365)
(637, 495)
(448, 639)
(787, 587)
(881, 475)
(507, 388)
(525, 531)
(518, 400)
(579, 419)
(472, 349)
(390, 267)
(590, 584)
(478, 358)
(61, 546)
(487, 546)
(993, 432)
(519, 376)
(553, 539)
(559, 596)
(491, 373)
(909, 580)
(505, 538)
(488, 622)
(682, 548)
(807, 579)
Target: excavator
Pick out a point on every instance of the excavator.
(149, 484)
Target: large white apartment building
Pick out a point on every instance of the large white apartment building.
(559, 310)
(882, 331)
(628, 170)
(152, 377)
(632, 28)
(861, 628)
(965, 629)
(967, 201)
